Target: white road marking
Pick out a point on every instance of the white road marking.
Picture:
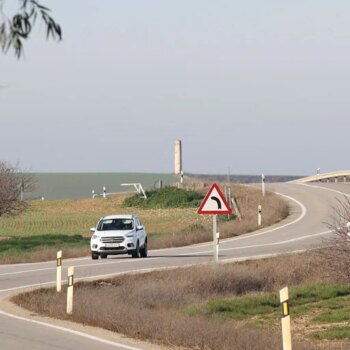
(257, 257)
(95, 277)
(41, 262)
(76, 266)
(265, 244)
(300, 217)
(25, 271)
(327, 189)
(27, 286)
(67, 330)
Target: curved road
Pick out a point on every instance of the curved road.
(311, 208)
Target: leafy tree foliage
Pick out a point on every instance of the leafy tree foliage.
(17, 28)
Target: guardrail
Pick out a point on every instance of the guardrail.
(137, 186)
(325, 176)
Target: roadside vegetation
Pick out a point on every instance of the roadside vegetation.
(167, 197)
(40, 247)
(214, 306)
(169, 215)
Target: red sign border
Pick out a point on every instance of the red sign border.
(200, 211)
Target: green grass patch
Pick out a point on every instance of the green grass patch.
(334, 316)
(24, 245)
(266, 305)
(241, 307)
(333, 304)
(321, 296)
(317, 292)
(168, 197)
(334, 333)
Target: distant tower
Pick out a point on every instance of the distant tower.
(178, 157)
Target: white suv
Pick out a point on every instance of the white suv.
(119, 234)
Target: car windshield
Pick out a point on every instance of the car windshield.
(115, 224)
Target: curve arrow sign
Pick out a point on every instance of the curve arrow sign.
(217, 200)
(214, 202)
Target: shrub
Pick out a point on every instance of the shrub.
(168, 197)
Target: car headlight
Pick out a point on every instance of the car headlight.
(95, 237)
(130, 235)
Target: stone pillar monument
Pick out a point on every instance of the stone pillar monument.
(178, 157)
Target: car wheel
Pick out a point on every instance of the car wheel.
(94, 256)
(103, 256)
(144, 250)
(136, 252)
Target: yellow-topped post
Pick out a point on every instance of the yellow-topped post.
(286, 329)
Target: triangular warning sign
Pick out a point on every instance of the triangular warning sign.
(214, 202)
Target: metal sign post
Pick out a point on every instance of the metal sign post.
(215, 243)
(215, 203)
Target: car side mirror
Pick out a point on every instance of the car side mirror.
(139, 228)
(92, 229)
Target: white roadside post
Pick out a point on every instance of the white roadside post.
(263, 184)
(59, 271)
(259, 215)
(286, 329)
(213, 204)
(182, 177)
(70, 290)
(104, 192)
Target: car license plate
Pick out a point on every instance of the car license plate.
(112, 245)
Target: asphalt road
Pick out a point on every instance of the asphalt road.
(311, 208)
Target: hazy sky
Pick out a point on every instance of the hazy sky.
(254, 86)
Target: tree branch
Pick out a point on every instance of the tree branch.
(17, 28)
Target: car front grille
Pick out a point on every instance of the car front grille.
(106, 249)
(112, 239)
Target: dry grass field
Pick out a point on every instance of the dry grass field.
(275, 209)
(211, 307)
(48, 226)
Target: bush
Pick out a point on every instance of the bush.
(168, 197)
(337, 254)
